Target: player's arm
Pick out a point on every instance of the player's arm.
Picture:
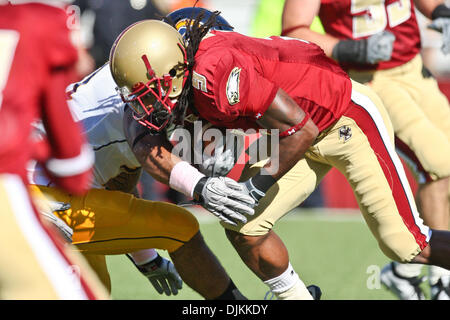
(297, 133)
(440, 14)
(222, 196)
(70, 156)
(426, 7)
(153, 151)
(296, 21)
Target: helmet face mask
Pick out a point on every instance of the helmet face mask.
(146, 103)
(151, 74)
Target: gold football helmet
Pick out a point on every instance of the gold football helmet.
(149, 65)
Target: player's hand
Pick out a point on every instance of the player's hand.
(442, 25)
(225, 198)
(219, 164)
(379, 47)
(162, 275)
(252, 191)
(374, 49)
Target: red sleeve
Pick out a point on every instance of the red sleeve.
(58, 47)
(70, 159)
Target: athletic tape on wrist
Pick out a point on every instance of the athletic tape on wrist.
(184, 177)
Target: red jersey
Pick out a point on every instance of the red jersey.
(236, 78)
(37, 59)
(358, 19)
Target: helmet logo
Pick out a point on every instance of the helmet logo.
(182, 24)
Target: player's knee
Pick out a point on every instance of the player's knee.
(399, 247)
(186, 223)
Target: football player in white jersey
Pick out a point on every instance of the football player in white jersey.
(111, 220)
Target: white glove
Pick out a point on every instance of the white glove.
(219, 164)
(162, 275)
(48, 215)
(225, 198)
(442, 25)
(379, 47)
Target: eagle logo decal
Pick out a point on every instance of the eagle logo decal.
(233, 86)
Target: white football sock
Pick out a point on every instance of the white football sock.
(143, 256)
(408, 270)
(288, 286)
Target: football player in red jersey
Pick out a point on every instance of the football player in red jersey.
(325, 119)
(378, 42)
(36, 58)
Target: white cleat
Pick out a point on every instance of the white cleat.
(441, 290)
(404, 288)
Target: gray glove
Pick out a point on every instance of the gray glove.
(442, 25)
(225, 198)
(374, 49)
(162, 275)
(379, 47)
(49, 216)
(219, 164)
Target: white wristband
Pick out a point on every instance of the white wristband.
(72, 166)
(184, 177)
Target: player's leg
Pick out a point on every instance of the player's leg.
(98, 263)
(421, 117)
(436, 107)
(259, 246)
(200, 269)
(111, 222)
(34, 263)
(387, 204)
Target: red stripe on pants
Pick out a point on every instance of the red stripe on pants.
(367, 124)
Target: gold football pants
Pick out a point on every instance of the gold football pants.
(113, 222)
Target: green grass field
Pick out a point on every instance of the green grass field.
(334, 251)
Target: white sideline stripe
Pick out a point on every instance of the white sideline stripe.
(72, 166)
(413, 166)
(56, 268)
(370, 107)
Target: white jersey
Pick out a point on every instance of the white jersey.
(99, 108)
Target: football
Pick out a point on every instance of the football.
(212, 149)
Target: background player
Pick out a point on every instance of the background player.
(35, 61)
(378, 43)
